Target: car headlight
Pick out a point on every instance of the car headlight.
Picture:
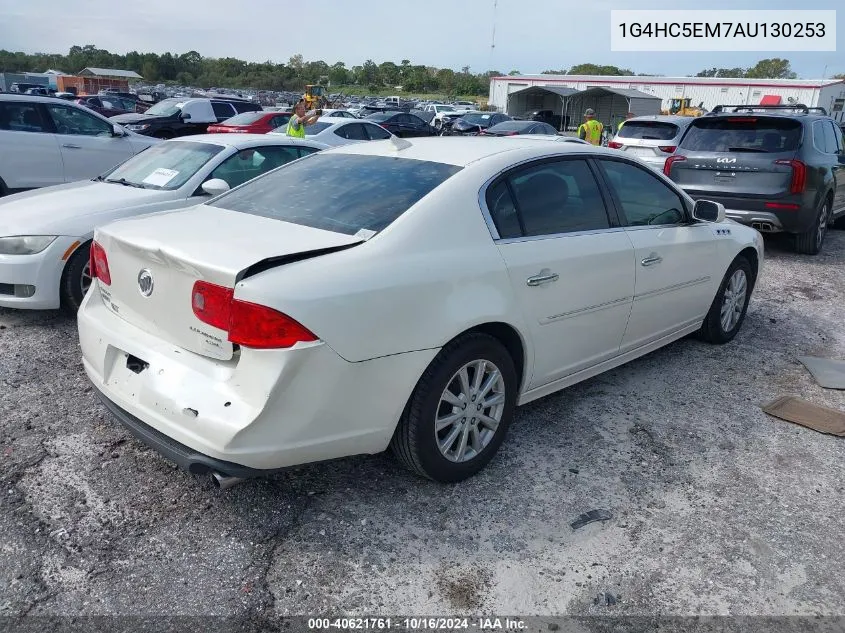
(137, 127)
(25, 244)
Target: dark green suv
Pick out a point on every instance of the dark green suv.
(776, 168)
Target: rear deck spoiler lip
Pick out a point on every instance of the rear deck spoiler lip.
(269, 263)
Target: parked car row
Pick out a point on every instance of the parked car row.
(775, 168)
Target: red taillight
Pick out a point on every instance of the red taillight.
(614, 145)
(386, 126)
(212, 304)
(784, 206)
(667, 148)
(248, 324)
(742, 119)
(799, 175)
(99, 264)
(667, 166)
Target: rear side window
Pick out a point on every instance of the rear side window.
(742, 134)
(548, 199)
(649, 130)
(353, 132)
(20, 117)
(824, 137)
(345, 193)
(245, 107)
(222, 110)
(375, 132)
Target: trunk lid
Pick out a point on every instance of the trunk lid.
(744, 156)
(174, 250)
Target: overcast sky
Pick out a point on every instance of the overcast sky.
(531, 36)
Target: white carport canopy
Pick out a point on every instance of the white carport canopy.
(610, 105)
(535, 98)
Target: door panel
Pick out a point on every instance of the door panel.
(29, 152)
(86, 143)
(676, 260)
(571, 270)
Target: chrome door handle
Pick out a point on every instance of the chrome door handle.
(70, 146)
(652, 259)
(545, 277)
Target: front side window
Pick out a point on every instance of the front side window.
(251, 163)
(164, 165)
(20, 117)
(645, 200)
(76, 122)
(355, 192)
(548, 198)
(166, 108)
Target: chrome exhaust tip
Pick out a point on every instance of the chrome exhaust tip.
(224, 482)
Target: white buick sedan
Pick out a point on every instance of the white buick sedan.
(45, 235)
(400, 293)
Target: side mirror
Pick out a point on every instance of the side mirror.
(116, 130)
(708, 211)
(185, 116)
(215, 186)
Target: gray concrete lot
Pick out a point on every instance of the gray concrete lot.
(717, 508)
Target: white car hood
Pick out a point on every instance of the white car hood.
(75, 208)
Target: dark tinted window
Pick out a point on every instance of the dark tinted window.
(222, 110)
(246, 107)
(78, 122)
(353, 132)
(279, 120)
(503, 211)
(316, 128)
(512, 126)
(379, 117)
(552, 197)
(479, 119)
(649, 130)
(20, 117)
(305, 151)
(838, 136)
(645, 199)
(355, 192)
(742, 134)
(376, 133)
(824, 137)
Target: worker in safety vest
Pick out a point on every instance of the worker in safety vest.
(299, 119)
(590, 130)
(630, 115)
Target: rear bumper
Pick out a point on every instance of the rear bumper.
(261, 411)
(753, 212)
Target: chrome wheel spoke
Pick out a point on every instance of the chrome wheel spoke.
(452, 399)
(479, 371)
(463, 376)
(489, 422)
(475, 439)
(446, 444)
(492, 379)
(462, 445)
(493, 401)
(448, 420)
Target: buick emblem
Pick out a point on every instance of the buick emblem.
(145, 282)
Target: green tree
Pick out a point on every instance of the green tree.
(595, 69)
(774, 68)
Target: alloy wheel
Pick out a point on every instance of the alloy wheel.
(734, 300)
(822, 225)
(85, 278)
(469, 411)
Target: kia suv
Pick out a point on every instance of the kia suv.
(775, 168)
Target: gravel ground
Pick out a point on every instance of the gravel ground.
(717, 508)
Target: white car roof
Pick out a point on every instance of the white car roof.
(245, 141)
(457, 150)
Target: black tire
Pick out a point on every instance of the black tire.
(70, 287)
(712, 330)
(810, 242)
(415, 440)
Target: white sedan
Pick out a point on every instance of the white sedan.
(336, 131)
(45, 234)
(403, 293)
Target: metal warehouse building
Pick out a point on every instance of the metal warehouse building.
(706, 91)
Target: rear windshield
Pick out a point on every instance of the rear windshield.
(380, 116)
(649, 130)
(246, 118)
(511, 126)
(316, 128)
(339, 192)
(743, 134)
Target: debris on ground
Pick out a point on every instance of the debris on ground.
(591, 517)
(829, 373)
(813, 416)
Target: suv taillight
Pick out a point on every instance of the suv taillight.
(667, 148)
(667, 166)
(99, 264)
(248, 324)
(799, 175)
(614, 144)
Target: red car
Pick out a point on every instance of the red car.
(251, 123)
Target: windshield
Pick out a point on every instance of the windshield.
(164, 166)
(168, 107)
(444, 108)
(743, 134)
(316, 128)
(247, 118)
(476, 119)
(339, 192)
(649, 130)
(511, 126)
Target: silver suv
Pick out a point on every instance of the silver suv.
(651, 138)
